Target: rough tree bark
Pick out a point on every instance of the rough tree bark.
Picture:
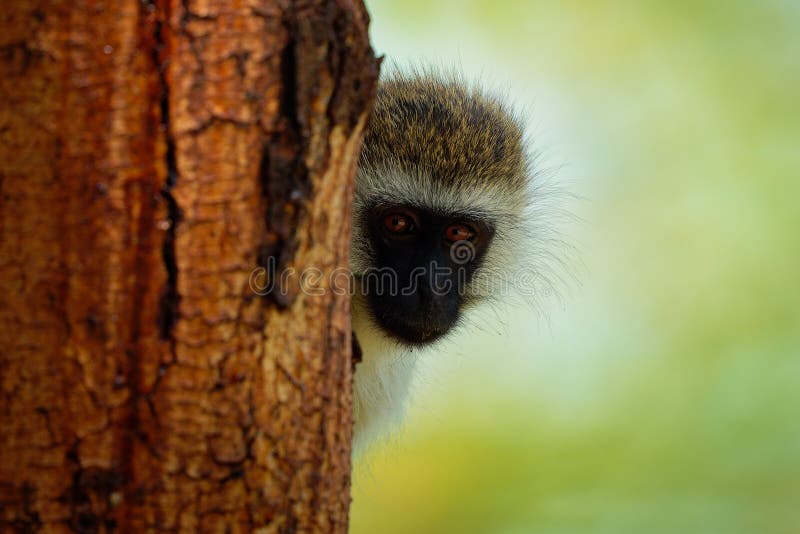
(152, 155)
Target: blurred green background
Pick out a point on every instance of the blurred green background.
(661, 393)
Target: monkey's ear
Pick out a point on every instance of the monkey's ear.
(356, 350)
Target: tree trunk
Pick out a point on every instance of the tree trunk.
(154, 155)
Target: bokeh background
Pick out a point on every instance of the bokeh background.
(661, 391)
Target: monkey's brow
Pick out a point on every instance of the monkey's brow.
(474, 215)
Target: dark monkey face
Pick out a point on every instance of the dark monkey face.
(423, 264)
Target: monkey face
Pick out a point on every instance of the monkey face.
(423, 263)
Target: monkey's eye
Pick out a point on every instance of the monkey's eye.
(459, 232)
(399, 223)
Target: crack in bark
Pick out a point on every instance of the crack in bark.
(285, 182)
(170, 298)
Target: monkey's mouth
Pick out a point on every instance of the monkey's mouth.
(414, 332)
(415, 319)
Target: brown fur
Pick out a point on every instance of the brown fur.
(438, 125)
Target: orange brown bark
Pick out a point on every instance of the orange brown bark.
(152, 155)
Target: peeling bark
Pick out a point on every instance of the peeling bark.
(152, 155)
